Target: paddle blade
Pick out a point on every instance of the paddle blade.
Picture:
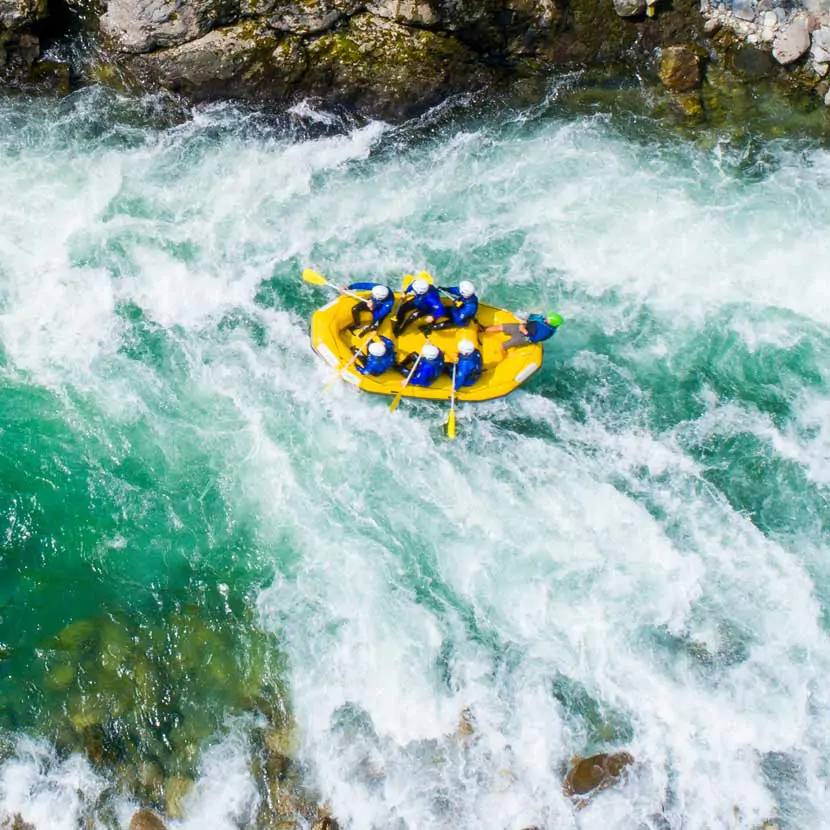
(395, 401)
(314, 278)
(407, 281)
(423, 275)
(451, 425)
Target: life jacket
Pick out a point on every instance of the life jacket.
(429, 303)
(428, 371)
(468, 369)
(380, 310)
(539, 329)
(379, 365)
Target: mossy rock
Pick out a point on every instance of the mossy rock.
(387, 69)
(680, 69)
(176, 790)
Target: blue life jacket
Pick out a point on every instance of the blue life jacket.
(539, 329)
(428, 371)
(465, 308)
(381, 309)
(378, 365)
(429, 303)
(468, 369)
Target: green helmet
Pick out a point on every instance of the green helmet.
(554, 319)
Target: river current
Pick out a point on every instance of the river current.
(629, 553)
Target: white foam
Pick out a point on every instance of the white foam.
(413, 577)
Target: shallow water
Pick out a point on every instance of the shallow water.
(629, 553)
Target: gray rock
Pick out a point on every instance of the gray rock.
(827, 99)
(310, 17)
(792, 41)
(232, 61)
(821, 45)
(629, 8)
(146, 25)
(14, 13)
(744, 9)
(412, 12)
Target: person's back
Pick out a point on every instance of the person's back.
(540, 328)
(469, 365)
(462, 311)
(429, 303)
(380, 359)
(429, 367)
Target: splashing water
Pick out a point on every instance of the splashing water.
(629, 553)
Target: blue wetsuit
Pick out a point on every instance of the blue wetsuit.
(468, 369)
(381, 309)
(421, 305)
(539, 329)
(464, 309)
(377, 365)
(427, 371)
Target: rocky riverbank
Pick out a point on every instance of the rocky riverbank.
(395, 58)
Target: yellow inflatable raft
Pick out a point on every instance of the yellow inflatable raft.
(332, 340)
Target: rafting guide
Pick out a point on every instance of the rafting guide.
(466, 350)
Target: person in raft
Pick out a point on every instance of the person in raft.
(425, 302)
(461, 312)
(380, 357)
(379, 304)
(537, 328)
(468, 367)
(429, 367)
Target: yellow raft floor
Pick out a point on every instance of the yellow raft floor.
(331, 339)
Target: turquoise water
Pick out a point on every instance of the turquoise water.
(629, 553)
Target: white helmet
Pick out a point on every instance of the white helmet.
(377, 348)
(380, 292)
(466, 288)
(420, 286)
(429, 351)
(466, 347)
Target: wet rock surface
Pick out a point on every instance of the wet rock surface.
(395, 58)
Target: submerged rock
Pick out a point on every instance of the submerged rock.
(15, 822)
(146, 820)
(594, 774)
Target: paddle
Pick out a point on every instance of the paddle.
(318, 279)
(451, 419)
(355, 356)
(397, 399)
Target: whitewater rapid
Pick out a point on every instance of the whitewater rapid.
(629, 554)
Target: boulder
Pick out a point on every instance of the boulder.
(409, 12)
(629, 8)
(389, 70)
(15, 14)
(311, 17)
(680, 69)
(235, 61)
(820, 49)
(146, 820)
(792, 41)
(752, 62)
(589, 775)
(142, 27)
